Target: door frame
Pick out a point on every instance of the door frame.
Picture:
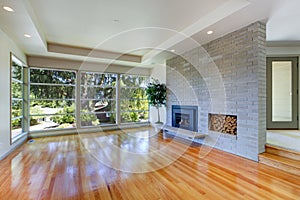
(294, 124)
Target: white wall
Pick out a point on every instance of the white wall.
(6, 46)
(158, 72)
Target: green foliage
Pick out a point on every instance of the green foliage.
(133, 116)
(35, 110)
(17, 70)
(134, 103)
(16, 92)
(98, 79)
(17, 123)
(101, 87)
(88, 119)
(16, 112)
(52, 76)
(98, 86)
(133, 80)
(16, 89)
(51, 103)
(157, 93)
(67, 115)
(64, 91)
(66, 125)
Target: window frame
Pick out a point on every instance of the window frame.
(80, 99)
(128, 99)
(77, 99)
(24, 131)
(74, 99)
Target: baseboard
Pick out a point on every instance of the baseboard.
(17, 145)
(86, 130)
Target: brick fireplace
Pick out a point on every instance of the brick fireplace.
(227, 77)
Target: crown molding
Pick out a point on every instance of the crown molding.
(80, 65)
(89, 52)
(283, 43)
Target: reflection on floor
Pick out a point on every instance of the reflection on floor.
(95, 166)
(288, 139)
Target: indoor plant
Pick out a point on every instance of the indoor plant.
(157, 95)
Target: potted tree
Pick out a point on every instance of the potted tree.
(157, 95)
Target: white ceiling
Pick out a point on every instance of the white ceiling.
(142, 24)
(89, 23)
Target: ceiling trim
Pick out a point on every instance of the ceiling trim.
(283, 43)
(283, 51)
(95, 53)
(62, 63)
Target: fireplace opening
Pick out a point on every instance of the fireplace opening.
(185, 117)
(183, 120)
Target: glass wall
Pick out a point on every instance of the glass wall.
(97, 98)
(133, 99)
(52, 99)
(17, 98)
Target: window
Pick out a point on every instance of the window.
(52, 99)
(133, 99)
(17, 98)
(98, 98)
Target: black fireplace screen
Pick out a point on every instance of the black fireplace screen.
(182, 120)
(185, 117)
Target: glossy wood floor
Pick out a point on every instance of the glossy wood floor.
(61, 168)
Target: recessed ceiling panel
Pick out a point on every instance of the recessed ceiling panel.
(90, 23)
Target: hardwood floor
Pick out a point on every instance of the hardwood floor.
(284, 159)
(61, 168)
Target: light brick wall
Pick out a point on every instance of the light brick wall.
(225, 76)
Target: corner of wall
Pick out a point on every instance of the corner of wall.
(7, 45)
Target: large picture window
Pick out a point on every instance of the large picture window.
(103, 99)
(17, 98)
(52, 99)
(98, 98)
(133, 99)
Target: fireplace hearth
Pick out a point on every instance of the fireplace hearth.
(185, 117)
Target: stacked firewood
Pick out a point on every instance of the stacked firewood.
(223, 123)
